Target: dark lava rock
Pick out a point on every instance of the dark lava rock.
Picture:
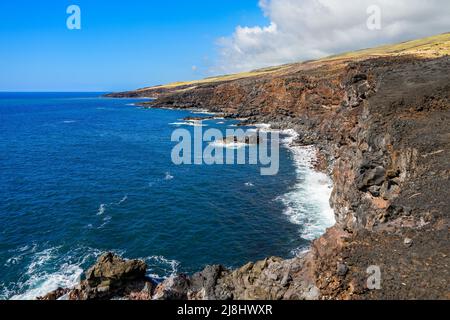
(383, 125)
(112, 270)
(342, 269)
(173, 288)
(204, 283)
(112, 277)
(54, 295)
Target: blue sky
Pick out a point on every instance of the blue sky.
(125, 45)
(122, 44)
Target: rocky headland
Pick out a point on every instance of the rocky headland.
(380, 120)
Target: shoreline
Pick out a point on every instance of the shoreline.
(308, 158)
(311, 181)
(306, 163)
(379, 123)
(304, 158)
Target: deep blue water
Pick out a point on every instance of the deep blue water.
(82, 174)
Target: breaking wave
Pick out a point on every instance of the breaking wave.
(307, 204)
(101, 209)
(48, 270)
(160, 267)
(168, 176)
(188, 123)
(52, 268)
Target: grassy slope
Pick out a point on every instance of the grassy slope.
(430, 47)
(219, 78)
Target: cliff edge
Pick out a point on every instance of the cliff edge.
(381, 120)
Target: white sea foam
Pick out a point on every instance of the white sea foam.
(67, 277)
(41, 276)
(5, 292)
(106, 220)
(160, 267)
(307, 204)
(101, 209)
(298, 252)
(249, 184)
(69, 121)
(125, 198)
(168, 176)
(202, 111)
(189, 123)
(228, 145)
(41, 258)
(290, 135)
(20, 254)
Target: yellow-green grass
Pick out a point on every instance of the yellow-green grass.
(431, 47)
(191, 84)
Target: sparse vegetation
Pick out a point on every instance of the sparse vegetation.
(431, 47)
(191, 84)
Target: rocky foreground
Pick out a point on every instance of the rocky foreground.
(381, 124)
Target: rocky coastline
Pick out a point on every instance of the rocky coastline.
(381, 125)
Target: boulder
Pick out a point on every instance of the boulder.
(173, 288)
(203, 284)
(371, 177)
(111, 270)
(112, 277)
(54, 295)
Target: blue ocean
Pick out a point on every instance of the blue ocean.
(82, 174)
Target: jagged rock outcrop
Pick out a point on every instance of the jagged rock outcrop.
(112, 277)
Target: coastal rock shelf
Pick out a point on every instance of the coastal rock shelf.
(381, 123)
(115, 278)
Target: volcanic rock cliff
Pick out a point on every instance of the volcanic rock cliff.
(381, 120)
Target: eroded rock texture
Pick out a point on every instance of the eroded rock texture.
(383, 126)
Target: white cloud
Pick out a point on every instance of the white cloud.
(307, 29)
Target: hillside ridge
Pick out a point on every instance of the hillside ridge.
(381, 125)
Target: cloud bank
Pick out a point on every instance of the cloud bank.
(307, 29)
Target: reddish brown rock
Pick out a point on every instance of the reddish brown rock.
(382, 124)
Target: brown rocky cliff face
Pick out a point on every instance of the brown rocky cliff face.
(352, 111)
(383, 126)
(110, 278)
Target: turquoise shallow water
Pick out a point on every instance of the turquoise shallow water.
(82, 174)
